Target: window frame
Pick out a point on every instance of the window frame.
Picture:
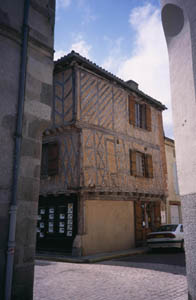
(139, 114)
(49, 164)
(146, 164)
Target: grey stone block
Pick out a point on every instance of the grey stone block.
(28, 189)
(40, 30)
(28, 227)
(29, 254)
(2, 271)
(36, 119)
(40, 67)
(36, 173)
(46, 94)
(31, 148)
(33, 87)
(9, 122)
(4, 225)
(36, 128)
(23, 283)
(13, 13)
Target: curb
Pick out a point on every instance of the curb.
(91, 259)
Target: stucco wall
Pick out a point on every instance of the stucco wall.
(171, 179)
(182, 63)
(178, 18)
(109, 226)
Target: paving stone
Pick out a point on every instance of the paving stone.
(114, 280)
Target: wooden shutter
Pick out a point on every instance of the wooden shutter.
(131, 110)
(149, 166)
(133, 170)
(138, 222)
(143, 118)
(157, 214)
(148, 118)
(53, 159)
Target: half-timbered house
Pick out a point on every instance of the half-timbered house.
(103, 173)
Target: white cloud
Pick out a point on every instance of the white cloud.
(86, 12)
(112, 62)
(62, 3)
(81, 46)
(148, 62)
(58, 54)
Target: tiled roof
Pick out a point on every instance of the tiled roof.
(73, 56)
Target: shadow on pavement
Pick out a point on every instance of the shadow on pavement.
(162, 260)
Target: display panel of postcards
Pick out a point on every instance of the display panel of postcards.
(55, 221)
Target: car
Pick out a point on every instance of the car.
(166, 236)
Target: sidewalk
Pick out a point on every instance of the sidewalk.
(91, 258)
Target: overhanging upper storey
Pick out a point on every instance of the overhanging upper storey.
(130, 85)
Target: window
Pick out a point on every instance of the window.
(167, 228)
(50, 156)
(139, 114)
(141, 164)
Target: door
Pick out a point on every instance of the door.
(174, 212)
(147, 218)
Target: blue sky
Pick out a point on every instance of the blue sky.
(123, 36)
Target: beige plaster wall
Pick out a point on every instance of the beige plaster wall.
(171, 184)
(109, 226)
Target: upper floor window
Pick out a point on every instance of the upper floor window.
(50, 159)
(139, 114)
(141, 164)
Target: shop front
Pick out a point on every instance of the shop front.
(57, 223)
(147, 219)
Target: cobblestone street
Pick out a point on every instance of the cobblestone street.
(114, 279)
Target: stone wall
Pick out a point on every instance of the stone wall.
(36, 117)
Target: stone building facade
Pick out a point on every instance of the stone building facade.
(173, 203)
(26, 66)
(103, 175)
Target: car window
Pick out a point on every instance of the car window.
(167, 228)
(181, 228)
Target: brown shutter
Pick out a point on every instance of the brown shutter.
(53, 159)
(157, 214)
(132, 155)
(143, 116)
(131, 110)
(149, 166)
(148, 118)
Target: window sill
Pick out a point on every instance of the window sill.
(139, 128)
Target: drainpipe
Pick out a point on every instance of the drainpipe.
(17, 152)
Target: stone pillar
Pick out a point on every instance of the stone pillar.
(178, 18)
(36, 117)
